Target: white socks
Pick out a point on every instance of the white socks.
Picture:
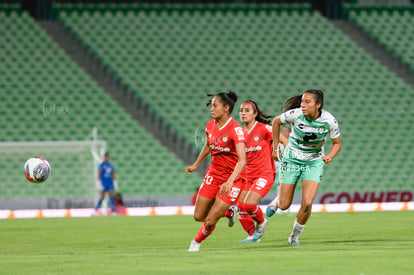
(297, 228)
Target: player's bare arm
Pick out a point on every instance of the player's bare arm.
(276, 135)
(283, 140)
(203, 154)
(336, 147)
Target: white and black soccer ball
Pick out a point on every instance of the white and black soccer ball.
(37, 169)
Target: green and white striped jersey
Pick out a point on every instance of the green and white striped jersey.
(307, 137)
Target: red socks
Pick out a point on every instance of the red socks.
(246, 222)
(228, 213)
(203, 233)
(254, 211)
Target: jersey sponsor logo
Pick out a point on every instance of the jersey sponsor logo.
(219, 148)
(311, 129)
(301, 126)
(261, 183)
(239, 133)
(234, 193)
(254, 148)
(309, 137)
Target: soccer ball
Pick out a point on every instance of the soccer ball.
(37, 170)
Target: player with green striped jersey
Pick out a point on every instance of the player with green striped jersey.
(304, 156)
(307, 137)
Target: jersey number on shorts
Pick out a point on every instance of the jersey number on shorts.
(208, 179)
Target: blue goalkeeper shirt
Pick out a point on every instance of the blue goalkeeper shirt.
(107, 170)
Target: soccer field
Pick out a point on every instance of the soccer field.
(332, 243)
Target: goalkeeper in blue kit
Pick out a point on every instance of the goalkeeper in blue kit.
(106, 175)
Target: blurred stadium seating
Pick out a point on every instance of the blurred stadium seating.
(45, 96)
(171, 55)
(391, 26)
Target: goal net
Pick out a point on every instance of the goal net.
(73, 181)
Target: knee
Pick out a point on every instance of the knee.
(199, 218)
(284, 203)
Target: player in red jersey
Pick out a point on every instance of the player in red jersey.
(222, 185)
(260, 169)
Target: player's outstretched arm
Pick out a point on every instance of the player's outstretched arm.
(203, 154)
(336, 147)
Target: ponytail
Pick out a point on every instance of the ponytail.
(229, 99)
(295, 101)
(292, 103)
(261, 115)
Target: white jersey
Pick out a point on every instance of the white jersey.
(307, 137)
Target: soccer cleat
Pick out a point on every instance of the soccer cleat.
(232, 220)
(194, 246)
(270, 211)
(260, 230)
(272, 208)
(293, 241)
(250, 239)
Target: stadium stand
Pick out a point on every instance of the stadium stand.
(45, 96)
(392, 26)
(172, 55)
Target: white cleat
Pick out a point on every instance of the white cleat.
(194, 246)
(260, 230)
(293, 241)
(250, 239)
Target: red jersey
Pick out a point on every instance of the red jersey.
(222, 142)
(259, 151)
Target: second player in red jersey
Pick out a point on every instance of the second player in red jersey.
(260, 169)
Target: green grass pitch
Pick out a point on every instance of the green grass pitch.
(332, 243)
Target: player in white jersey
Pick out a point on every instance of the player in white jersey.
(304, 156)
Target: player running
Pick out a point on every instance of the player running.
(304, 156)
(222, 185)
(259, 171)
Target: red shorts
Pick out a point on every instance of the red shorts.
(210, 189)
(260, 185)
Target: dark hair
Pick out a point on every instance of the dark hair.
(295, 101)
(106, 154)
(120, 200)
(226, 98)
(261, 115)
